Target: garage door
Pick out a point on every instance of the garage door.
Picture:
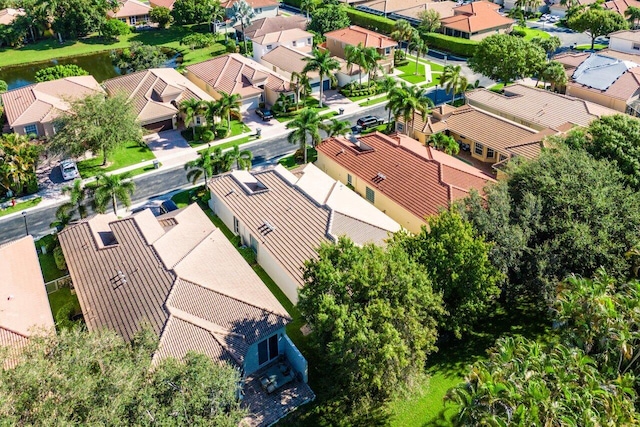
(160, 126)
(326, 85)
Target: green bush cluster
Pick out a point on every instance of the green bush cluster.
(518, 32)
(454, 45)
(366, 89)
(371, 22)
(58, 257)
(294, 3)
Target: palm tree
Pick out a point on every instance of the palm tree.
(420, 47)
(229, 105)
(242, 13)
(372, 56)
(402, 31)
(336, 127)
(211, 110)
(191, 108)
(242, 158)
(322, 62)
(113, 188)
(355, 55)
(387, 83)
(633, 16)
(444, 143)
(307, 6)
(283, 103)
(76, 204)
(405, 101)
(555, 74)
(396, 97)
(307, 122)
(451, 79)
(203, 165)
(302, 85)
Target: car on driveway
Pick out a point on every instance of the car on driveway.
(369, 121)
(69, 169)
(264, 114)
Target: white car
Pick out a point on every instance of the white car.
(69, 170)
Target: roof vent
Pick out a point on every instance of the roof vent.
(379, 178)
(266, 228)
(118, 280)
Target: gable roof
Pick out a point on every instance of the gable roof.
(418, 178)
(289, 60)
(283, 36)
(177, 273)
(476, 17)
(8, 15)
(43, 102)
(234, 73)
(631, 35)
(354, 35)
(128, 8)
(409, 8)
(154, 92)
(273, 24)
(291, 216)
(162, 3)
(542, 107)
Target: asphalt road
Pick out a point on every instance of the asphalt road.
(265, 152)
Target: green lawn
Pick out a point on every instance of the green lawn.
(588, 47)
(373, 101)
(20, 206)
(309, 102)
(47, 264)
(532, 33)
(434, 66)
(127, 155)
(60, 298)
(143, 169)
(51, 49)
(409, 72)
(237, 128)
(328, 115)
(290, 162)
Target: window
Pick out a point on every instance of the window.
(387, 51)
(490, 153)
(294, 43)
(269, 47)
(309, 40)
(253, 243)
(259, 10)
(502, 157)
(123, 20)
(31, 129)
(133, 20)
(236, 225)
(199, 122)
(349, 180)
(400, 127)
(636, 46)
(479, 149)
(371, 195)
(267, 350)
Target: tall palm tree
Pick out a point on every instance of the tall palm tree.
(18, 161)
(76, 204)
(355, 55)
(302, 85)
(395, 97)
(322, 62)
(306, 123)
(229, 105)
(242, 13)
(336, 127)
(191, 108)
(420, 47)
(403, 31)
(203, 165)
(211, 110)
(451, 79)
(113, 188)
(308, 6)
(242, 158)
(633, 16)
(405, 101)
(372, 56)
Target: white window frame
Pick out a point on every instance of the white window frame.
(490, 153)
(34, 128)
(133, 20)
(477, 146)
(349, 179)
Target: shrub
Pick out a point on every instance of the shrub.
(248, 254)
(231, 46)
(454, 45)
(59, 258)
(249, 48)
(208, 135)
(371, 22)
(518, 32)
(294, 3)
(198, 40)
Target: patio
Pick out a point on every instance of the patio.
(487, 168)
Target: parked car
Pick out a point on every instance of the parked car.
(356, 129)
(266, 115)
(157, 207)
(369, 121)
(69, 169)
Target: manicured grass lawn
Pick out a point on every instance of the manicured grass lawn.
(47, 264)
(328, 115)
(21, 206)
(588, 47)
(409, 72)
(143, 169)
(290, 162)
(532, 33)
(237, 128)
(60, 298)
(127, 155)
(51, 49)
(373, 101)
(309, 102)
(434, 66)
(379, 128)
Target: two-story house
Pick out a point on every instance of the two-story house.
(353, 35)
(294, 38)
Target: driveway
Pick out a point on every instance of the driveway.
(170, 147)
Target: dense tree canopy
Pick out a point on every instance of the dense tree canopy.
(597, 22)
(507, 58)
(137, 57)
(81, 378)
(161, 15)
(78, 18)
(328, 18)
(114, 28)
(58, 72)
(98, 124)
(373, 315)
(563, 213)
(457, 262)
(193, 11)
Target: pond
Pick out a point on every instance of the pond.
(98, 65)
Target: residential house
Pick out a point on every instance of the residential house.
(8, 15)
(179, 275)
(294, 38)
(162, 3)
(353, 35)
(489, 138)
(32, 110)
(131, 12)
(618, 6)
(284, 217)
(262, 8)
(398, 175)
(24, 306)
(156, 95)
(626, 41)
(476, 20)
(537, 109)
(607, 78)
(234, 73)
(408, 10)
(263, 26)
(286, 61)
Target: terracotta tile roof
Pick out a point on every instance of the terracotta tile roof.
(8, 15)
(288, 59)
(291, 216)
(234, 73)
(354, 35)
(162, 3)
(621, 6)
(43, 102)
(624, 56)
(283, 36)
(128, 8)
(153, 92)
(631, 35)
(211, 301)
(571, 60)
(410, 8)
(539, 106)
(475, 17)
(253, 3)
(416, 177)
(273, 24)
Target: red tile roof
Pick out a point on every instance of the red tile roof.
(475, 17)
(418, 178)
(353, 35)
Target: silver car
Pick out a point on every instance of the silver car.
(69, 170)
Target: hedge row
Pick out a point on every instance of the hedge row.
(455, 45)
(371, 22)
(294, 3)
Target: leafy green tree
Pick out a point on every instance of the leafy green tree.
(186, 12)
(457, 261)
(322, 62)
(328, 18)
(549, 44)
(198, 40)
(191, 108)
(242, 13)
(429, 21)
(554, 73)
(98, 124)
(114, 28)
(161, 15)
(306, 123)
(336, 127)
(633, 16)
(229, 105)
(95, 378)
(444, 142)
(596, 22)
(79, 18)
(308, 6)
(355, 55)
(506, 58)
(372, 313)
(564, 213)
(524, 383)
(112, 188)
(58, 72)
(138, 57)
(242, 158)
(3, 86)
(18, 163)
